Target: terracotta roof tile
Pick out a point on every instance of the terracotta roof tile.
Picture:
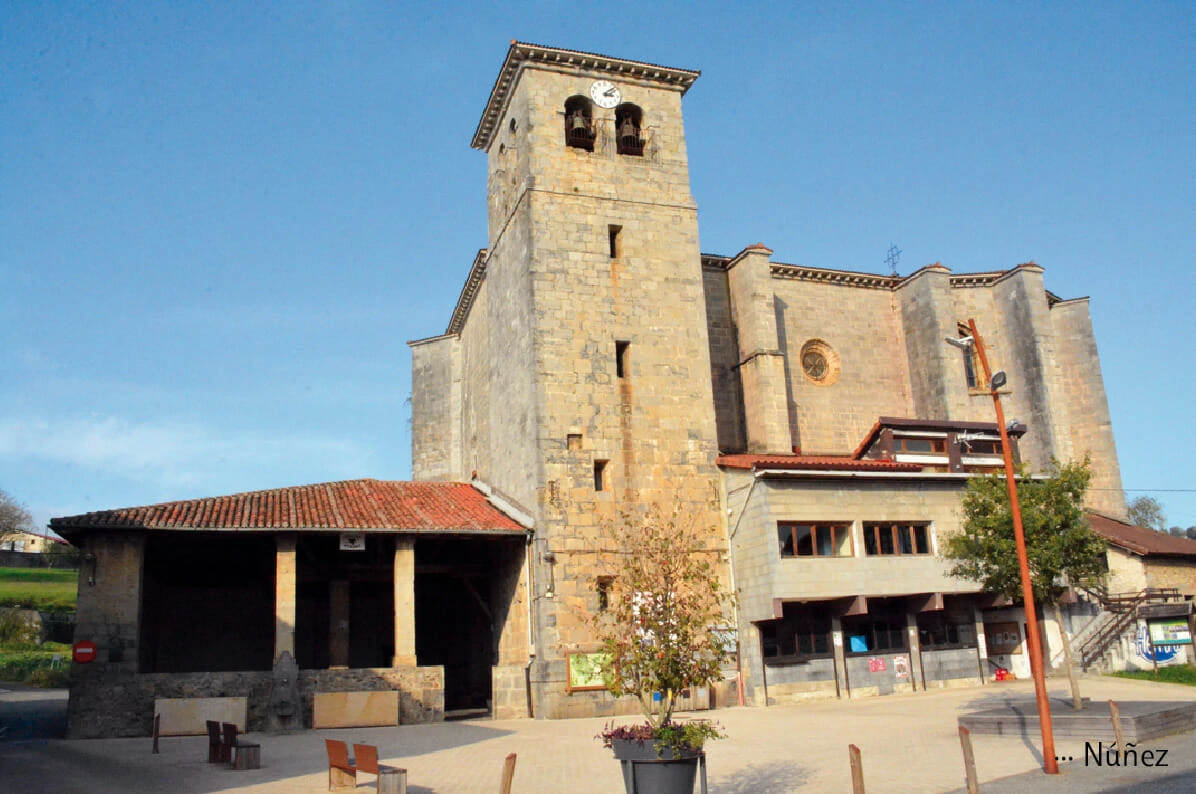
(385, 505)
(1140, 540)
(816, 462)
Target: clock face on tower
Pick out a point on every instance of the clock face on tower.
(605, 94)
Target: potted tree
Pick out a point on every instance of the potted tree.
(661, 636)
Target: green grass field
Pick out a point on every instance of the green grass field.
(1182, 674)
(47, 589)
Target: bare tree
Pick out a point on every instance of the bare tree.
(15, 519)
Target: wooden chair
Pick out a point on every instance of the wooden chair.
(234, 750)
(215, 747)
(391, 779)
(229, 743)
(341, 772)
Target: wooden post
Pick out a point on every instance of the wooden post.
(157, 730)
(857, 769)
(1115, 714)
(392, 781)
(508, 774)
(969, 761)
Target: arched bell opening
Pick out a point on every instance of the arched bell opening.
(579, 123)
(629, 123)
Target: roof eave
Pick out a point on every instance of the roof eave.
(522, 54)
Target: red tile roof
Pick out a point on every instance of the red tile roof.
(1140, 540)
(383, 505)
(816, 462)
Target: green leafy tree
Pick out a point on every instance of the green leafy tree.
(661, 631)
(1146, 511)
(1060, 547)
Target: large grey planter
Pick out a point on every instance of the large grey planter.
(646, 772)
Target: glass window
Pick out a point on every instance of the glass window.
(902, 538)
(882, 629)
(814, 540)
(804, 632)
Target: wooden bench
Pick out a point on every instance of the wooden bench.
(390, 779)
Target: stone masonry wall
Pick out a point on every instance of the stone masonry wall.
(1171, 572)
(1091, 428)
(864, 329)
(1037, 397)
(109, 703)
(109, 605)
(724, 362)
(431, 409)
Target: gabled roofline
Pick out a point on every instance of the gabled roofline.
(469, 291)
(523, 54)
(904, 423)
(864, 280)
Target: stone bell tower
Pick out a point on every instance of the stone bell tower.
(597, 387)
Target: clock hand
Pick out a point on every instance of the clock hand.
(609, 92)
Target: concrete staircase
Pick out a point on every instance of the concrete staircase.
(1119, 616)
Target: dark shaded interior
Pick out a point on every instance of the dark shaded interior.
(207, 603)
(463, 589)
(369, 574)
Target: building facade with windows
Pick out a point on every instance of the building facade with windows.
(815, 419)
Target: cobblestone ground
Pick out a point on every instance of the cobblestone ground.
(909, 744)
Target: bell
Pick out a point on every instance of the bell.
(579, 122)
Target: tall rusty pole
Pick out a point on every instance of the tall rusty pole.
(1049, 764)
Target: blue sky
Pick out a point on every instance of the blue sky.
(220, 222)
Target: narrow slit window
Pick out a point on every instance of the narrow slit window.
(600, 467)
(621, 360)
(604, 587)
(615, 238)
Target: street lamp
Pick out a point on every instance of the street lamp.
(994, 381)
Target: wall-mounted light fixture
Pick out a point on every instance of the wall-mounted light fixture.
(89, 568)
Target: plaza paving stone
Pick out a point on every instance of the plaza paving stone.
(909, 744)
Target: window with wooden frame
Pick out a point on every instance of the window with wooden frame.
(981, 446)
(882, 629)
(920, 446)
(804, 633)
(938, 630)
(814, 540)
(887, 538)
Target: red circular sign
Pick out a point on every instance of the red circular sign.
(84, 652)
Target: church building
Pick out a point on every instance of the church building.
(814, 420)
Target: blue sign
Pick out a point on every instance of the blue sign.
(1162, 654)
